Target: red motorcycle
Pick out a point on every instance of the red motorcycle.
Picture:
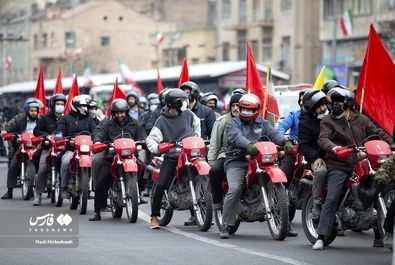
(24, 156)
(125, 168)
(189, 188)
(299, 186)
(264, 197)
(80, 167)
(347, 215)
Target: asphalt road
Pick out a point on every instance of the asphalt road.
(112, 241)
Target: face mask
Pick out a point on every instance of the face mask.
(322, 115)
(184, 106)
(59, 109)
(337, 110)
(92, 113)
(153, 107)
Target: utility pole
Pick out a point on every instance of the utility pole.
(334, 31)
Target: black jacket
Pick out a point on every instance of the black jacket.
(16, 125)
(309, 130)
(110, 129)
(152, 119)
(46, 125)
(207, 119)
(74, 123)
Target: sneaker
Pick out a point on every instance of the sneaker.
(318, 245)
(224, 233)
(190, 222)
(388, 240)
(291, 232)
(37, 200)
(378, 243)
(7, 196)
(340, 232)
(154, 223)
(96, 216)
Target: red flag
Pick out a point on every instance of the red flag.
(184, 76)
(253, 81)
(376, 90)
(74, 91)
(40, 91)
(159, 84)
(116, 93)
(58, 87)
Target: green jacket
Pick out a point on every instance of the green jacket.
(218, 140)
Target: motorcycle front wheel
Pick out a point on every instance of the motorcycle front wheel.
(27, 185)
(278, 202)
(116, 209)
(204, 214)
(84, 189)
(388, 198)
(132, 194)
(166, 211)
(308, 226)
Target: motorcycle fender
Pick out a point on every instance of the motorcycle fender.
(85, 161)
(202, 167)
(276, 174)
(129, 165)
(30, 153)
(155, 176)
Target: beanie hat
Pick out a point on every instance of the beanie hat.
(235, 99)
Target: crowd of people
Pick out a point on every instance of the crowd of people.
(327, 120)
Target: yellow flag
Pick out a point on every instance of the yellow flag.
(319, 82)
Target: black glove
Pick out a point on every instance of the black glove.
(288, 147)
(251, 150)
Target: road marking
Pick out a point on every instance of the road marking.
(142, 215)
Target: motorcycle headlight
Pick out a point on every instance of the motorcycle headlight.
(381, 158)
(85, 148)
(267, 158)
(29, 144)
(126, 152)
(195, 152)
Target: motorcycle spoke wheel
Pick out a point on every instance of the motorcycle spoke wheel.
(278, 202)
(27, 185)
(131, 197)
(204, 214)
(84, 189)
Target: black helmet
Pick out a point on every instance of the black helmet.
(300, 98)
(162, 95)
(328, 85)
(239, 91)
(342, 94)
(119, 105)
(80, 104)
(56, 97)
(133, 94)
(175, 97)
(313, 98)
(195, 89)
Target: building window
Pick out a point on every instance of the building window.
(267, 49)
(241, 50)
(285, 52)
(212, 15)
(45, 40)
(286, 4)
(255, 49)
(120, 18)
(255, 10)
(268, 9)
(104, 41)
(226, 9)
(52, 39)
(70, 40)
(35, 41)
(105, 18)
(242, 12)
(358, 7)
(225, 51)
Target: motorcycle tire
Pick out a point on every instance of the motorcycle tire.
(27, 186)
(132, 194)
(204, 214)
(278, 202)
(84, 191)
(308, 226)
(388, 197)
(166, 211)
(218, 222)
(116, 210)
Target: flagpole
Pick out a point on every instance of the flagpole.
(334, 31)
(362, 98)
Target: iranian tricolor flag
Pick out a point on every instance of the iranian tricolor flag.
(272, 114)
(346, 23)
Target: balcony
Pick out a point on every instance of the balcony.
(47, 53)
(265, 23)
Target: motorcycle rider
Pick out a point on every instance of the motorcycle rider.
(315, 109)
(133, 100)
(343, 127)
(153, 104)
(76, 122)
(242, 133)
(206, 116)
(216, 152)
(108, 131)
(93, 111)
(46, 125)
(175, 122)
(210, 100)
(24, 122)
